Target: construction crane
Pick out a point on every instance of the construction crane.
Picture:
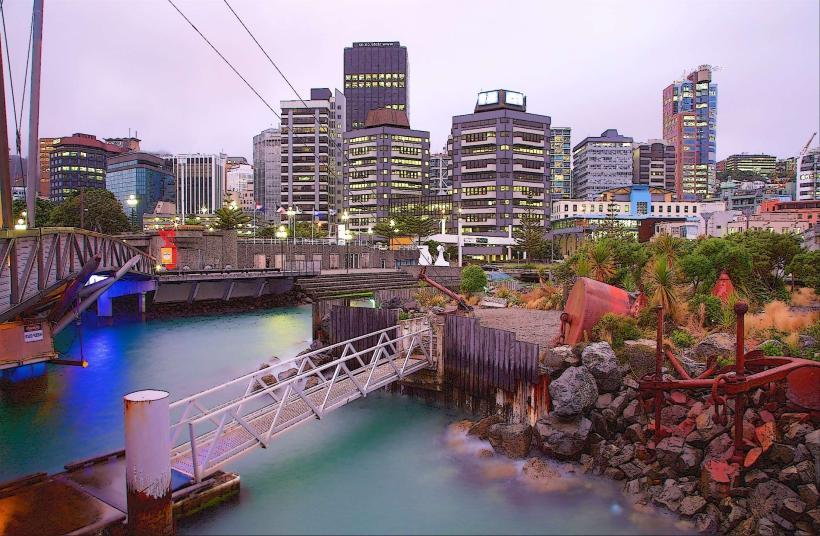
(798, 164)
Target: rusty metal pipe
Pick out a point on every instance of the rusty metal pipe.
(658, 372)
(677, 365)
(740, 353)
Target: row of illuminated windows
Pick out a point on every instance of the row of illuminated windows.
(375, 76)
(380, 83)
(527, 150)
(79, 168)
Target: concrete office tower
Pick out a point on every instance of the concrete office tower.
(690, 124)
(808, 179)
(239, 185)
(311, 147)
(143, 175)
(77, 162)
(501, 164)
(601, 163)
(267, 172)
(761, 164)
(200, 181)
(385, 161)
(561, 162)
(653, 163)
(441, 182)
(375, 77)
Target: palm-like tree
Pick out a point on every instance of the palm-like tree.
(582, 266)
(601, 264)
(660, 281)
(667, 246)
(230, 216)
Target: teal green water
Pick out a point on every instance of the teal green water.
(381, 465)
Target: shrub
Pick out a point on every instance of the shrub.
(615, 329)
(544, 297)
(812, 330)
(682, 339)
(771, 348)
(473, 279)
(709, 308)
(430, 297)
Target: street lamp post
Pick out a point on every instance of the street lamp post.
(291, 221)
(282, 235)
(132, 202)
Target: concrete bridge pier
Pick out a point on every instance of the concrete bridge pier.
(148, 463)
(105, 307)
(141, 304)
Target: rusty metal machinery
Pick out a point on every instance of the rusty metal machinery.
(587, 302)
(458, 298)
(750, 371)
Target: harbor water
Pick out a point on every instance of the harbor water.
(381, 465)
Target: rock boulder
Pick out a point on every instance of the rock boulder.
(573, 393)
(511, 439)
(561, 439)
(599, 358)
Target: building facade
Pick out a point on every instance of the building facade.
(200, 182)
(561, 162)
(501, 164)
(77, 162)
(761, 164)
(384, 161)
(267, 172)
(653, 163)
(46, 148)
(601, 163)
(441, 182)
(142, 175)
(690, 124)
(311, 155)
(375, 76)
(239, 185)
(808, 178)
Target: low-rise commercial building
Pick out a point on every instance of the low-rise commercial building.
(761, 164)
(808, 178)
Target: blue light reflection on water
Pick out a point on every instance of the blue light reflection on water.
(52, 415)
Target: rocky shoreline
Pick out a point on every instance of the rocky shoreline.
(599, 422)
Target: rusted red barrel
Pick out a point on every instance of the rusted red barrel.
(588, 301)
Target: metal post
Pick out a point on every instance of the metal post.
(6, 210)
(658, 373)
(460, 240)
(740, 375)
(148, 463)
(33, 164)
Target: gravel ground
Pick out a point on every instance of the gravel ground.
(529, 325)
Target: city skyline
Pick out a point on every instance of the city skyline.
(586, 75)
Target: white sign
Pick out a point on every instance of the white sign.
(32, 332)
(488, 97)
(512, 97)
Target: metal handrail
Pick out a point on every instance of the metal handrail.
(206, 453)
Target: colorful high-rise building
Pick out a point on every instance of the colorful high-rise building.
(690, 124)
(375, 77)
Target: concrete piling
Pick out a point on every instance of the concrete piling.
(148, 463)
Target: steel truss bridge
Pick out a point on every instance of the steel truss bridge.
(222, 423)
(37, 265)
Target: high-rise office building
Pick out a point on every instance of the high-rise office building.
(46, 148)
(385, 161)
(267, 172)
(375, 77)
(600, 163)
(808, 178)
(653, 163)
(441, 182)
(561, 162)
(200, 182)
(761, 164)
(239, 184)
(143, 175)
(690, 124)
(312, 154)
(501, 164)
(76, 162)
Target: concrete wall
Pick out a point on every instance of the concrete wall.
(328, 256)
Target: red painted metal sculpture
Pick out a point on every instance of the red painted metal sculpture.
(750, 371)
(587, 302)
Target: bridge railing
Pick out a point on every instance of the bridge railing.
(226, 421)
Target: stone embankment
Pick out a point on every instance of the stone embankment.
(599, 421)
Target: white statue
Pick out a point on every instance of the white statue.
(440, 259)
(425, 259)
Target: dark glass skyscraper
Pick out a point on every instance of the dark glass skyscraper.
(375, 77)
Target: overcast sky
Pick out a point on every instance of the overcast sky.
(111, 65)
